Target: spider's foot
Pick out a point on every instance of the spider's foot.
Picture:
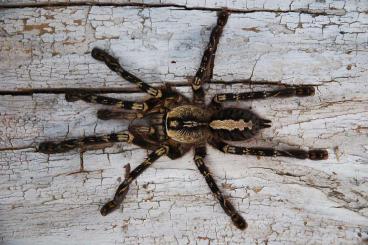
(318, 154)
(99, 54)
(304, 91)
(102, 55)
(239, 221)
(108, 208)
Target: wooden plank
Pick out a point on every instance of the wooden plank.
(286, 201)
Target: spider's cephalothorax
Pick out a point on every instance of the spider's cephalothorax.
(170, 124)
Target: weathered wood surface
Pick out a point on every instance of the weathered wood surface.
(285, 201)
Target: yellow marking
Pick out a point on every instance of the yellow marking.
(137, 106)
(145, 107)
(147, 161)
(245, 151)
(181, 135)
(125, 137)
(231, 124)
(191, 124)
(105, 138)
(93, 98)
(120, 104)
(123, 190)
(155, 92)
(143, 129)
(174, 124)
(159, 93)
(231, 149)
(197, 81)
(161, 151)
(220, 97)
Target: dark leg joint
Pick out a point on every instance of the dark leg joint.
(52, 147)
(318, 154)
(200, 151)
(304, 91)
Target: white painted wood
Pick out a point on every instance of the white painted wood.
(285, 201)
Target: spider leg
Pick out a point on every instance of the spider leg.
(111, 114)
(205, 70)
(238, 220)
(316, 154)
(127, 174)
(299, 91)
(114, 65)
(103, 100)
(123, 187)
(50, 147)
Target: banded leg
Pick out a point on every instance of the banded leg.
(316, 154)
(126, 177)
(50, 147)
(103, 100)
(123, 187)
(205, 71)
(229, 209)
(114, 65)
(299, 91)
(110, 114)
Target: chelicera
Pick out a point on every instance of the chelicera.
(168, 123)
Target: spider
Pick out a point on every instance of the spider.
(168, 123)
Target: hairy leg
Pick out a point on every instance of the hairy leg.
(114, 65)
(238, 220)
(316, 154)
(205, 70)
(110, 114)
(50, 147)
(299, 91)
(123, 187)
(123, 104)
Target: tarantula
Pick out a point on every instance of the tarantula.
(171, 124)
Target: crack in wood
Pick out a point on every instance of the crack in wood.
(314, 12)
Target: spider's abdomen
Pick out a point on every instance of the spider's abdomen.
(236, 124)
(187, 124)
